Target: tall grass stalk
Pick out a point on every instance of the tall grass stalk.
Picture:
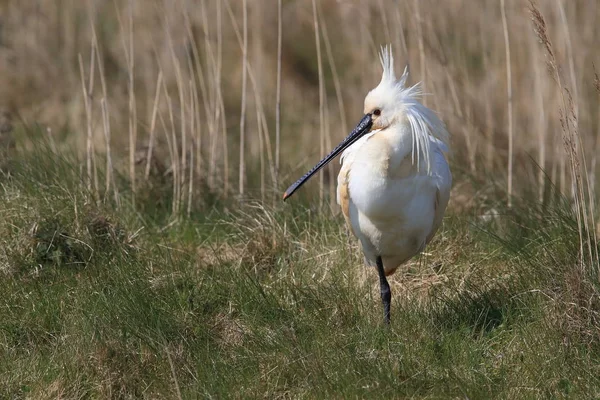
(420, 41)
(278, 94)
(220, 112)
(542, 127)
(152, 133)
(570, 58)
(130, 56)
(193, 134)
(242, 170)
(87, 96)
(321, 99)
(509, 101)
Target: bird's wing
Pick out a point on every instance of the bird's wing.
(443, 182)
(343, 193)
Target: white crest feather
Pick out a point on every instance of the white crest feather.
(425, 124)
(387, 62)
(404, 77)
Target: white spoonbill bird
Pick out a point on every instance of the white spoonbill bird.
(394, 184)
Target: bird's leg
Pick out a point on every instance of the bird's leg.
(386, 293)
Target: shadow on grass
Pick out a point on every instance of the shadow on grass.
(483, 310)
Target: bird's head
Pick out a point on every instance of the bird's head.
(384, 102)
(382, 106)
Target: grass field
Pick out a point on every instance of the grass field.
(254, 301)
(145, 252)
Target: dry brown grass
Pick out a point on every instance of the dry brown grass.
(171, 76)
(572, 140)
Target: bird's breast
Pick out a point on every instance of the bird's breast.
(379, 171)
(388, 203)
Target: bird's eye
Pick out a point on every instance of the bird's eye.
(377, 112)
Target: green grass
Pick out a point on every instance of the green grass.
(101, 301)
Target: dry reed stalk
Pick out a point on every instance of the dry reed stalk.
(217, 108)
(183, 130)
(213, 156)
(176, 170)
(470, 139)
(128, 49)
(562, 166)
(321, 99)
(132, 102)
(173, 151)
(242, 160)
(211, 119)
(509, 101)
(330, 171)
(489, 118)
(472, 133)
(265, 130)
(109, 165)
(258, 62)
(88, 116)
(220, 106)
(196, 133)
(192, 113)
(489, 127)
(105, 122)
(261, 149)
(91, 95)
(152, 138)
(256, 58)
(264, 136)
(569, 46)
(542, 127)
(211, 62)
(419, 22)
(278, 96)
(588, 209)
(225, 148)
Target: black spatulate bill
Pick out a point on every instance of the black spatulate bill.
(363, 127)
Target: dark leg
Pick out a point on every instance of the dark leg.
(386, 293)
